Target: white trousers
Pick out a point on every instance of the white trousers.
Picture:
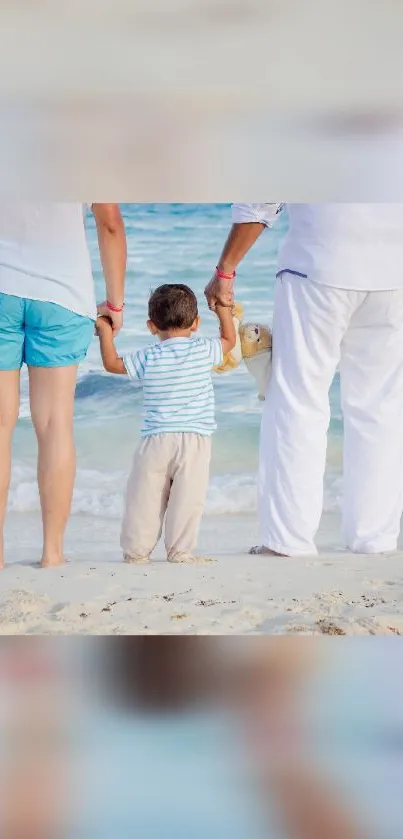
(315, 328)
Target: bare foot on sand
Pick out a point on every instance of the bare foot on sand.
(53, 561)
(136, 560)
(261, 550)
(189, 559)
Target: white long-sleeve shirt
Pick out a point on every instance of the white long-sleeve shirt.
(351, 246)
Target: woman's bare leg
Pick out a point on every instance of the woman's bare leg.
(9, 406)
(52, 407)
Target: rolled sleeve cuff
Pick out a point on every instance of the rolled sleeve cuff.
(259, 213)
(131, 371)
(217, 355)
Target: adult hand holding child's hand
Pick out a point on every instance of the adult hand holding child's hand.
(103, 323)
(219, 291)
(115, 317)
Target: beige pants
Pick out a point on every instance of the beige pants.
(169, 479)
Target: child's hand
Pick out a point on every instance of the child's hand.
(116, 318)
(227, 327)
(110, 359)
(103, 324)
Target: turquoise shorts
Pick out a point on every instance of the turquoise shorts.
(41, 334)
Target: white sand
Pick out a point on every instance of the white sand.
(95, 593)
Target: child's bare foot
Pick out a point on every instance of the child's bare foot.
(261, 550)
(136, 560)
(189, 559)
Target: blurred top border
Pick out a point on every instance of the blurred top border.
(195, 100)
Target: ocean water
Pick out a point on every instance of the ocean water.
(168, 243)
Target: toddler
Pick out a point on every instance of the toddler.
(170, 472)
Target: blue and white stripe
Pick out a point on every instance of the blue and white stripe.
(177, 384)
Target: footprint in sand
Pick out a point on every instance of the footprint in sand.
(20, 607)
(57, 608)
(318, 562)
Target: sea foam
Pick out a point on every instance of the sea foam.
(101, 494)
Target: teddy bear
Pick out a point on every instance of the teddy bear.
(253, 346)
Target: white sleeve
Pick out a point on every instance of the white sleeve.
(215, 351)
(262, 213)
(135, 364)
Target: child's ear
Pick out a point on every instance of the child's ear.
(152, 327)
(195, 324)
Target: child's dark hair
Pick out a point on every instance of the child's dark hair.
(172, 306)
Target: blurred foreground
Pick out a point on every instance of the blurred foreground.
(195, 100)
(194, 737)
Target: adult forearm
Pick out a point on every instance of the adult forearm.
(240, 240)
(113, 250)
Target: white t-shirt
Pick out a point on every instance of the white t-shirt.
(44, 255)
(351, 246)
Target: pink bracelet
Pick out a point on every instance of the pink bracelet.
(223, 276)
(117, 309)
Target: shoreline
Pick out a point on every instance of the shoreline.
(335, 593)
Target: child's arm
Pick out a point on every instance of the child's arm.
(110, 359)
(227, 328)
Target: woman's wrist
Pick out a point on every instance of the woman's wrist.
(113, 306)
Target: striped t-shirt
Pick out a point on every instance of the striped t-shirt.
(177, 385)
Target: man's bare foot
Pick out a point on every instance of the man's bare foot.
(189, 559)
(261, 550)
(136, 560)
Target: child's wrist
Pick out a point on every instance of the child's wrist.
(223, 310)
